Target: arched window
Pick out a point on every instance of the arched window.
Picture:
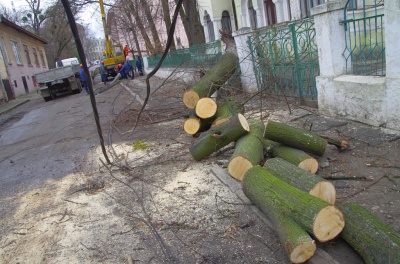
(210, 26)
(226, 21)
(270, 12)
(252, 15)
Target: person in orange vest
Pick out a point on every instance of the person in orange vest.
(126, 51)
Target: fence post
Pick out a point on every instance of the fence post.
(392, 36)
(330, 40)
(292, 28)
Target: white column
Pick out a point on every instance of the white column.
(392, 36)
(279, 10)
(247, 76)
(331, 44)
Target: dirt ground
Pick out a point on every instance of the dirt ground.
(61, 202)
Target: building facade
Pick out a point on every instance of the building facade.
(22, 55)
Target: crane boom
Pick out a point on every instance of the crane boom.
(103, 19)
(113, 54)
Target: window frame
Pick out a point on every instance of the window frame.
(3, 49)
(16, 50)
(35, 57)
(27, 55)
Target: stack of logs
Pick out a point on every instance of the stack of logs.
(300, 204)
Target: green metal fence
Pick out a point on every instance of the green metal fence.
(285, 59)
(364, 35)
(203, 55)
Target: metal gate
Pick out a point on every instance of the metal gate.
(285, 59)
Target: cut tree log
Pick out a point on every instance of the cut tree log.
(217, 75)
(219, 136)
(249, 150)
(295, 137)
(298, 244)
(323, 220)
(370, 236)
(228, 109)
(302, 179)
(338, 143)
(292, 155)
(194, 124)
(206, 108)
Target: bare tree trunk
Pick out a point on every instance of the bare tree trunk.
(167, 20)
(157, 42)
(191, 22)
(140, 25)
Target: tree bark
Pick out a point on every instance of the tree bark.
(295, 137)
(316, 216)
(142, 30)
(370, 236)
(167, 20)
(194, 124)
(298, 244)
(302, 179)
(191, 23)
(157, 42)
(228, 109)
(292, 155)
(249, 150)
(214, 78)
(218, 137)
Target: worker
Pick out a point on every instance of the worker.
(126, 51)
(125, 70)
(103, 72)
(139, 65)
(83, 79)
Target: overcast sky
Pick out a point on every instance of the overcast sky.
(90, 17)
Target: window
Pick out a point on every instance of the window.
(210, 26)
(306, 5)
(270, 11)
(252, 15)
(42, 58)
(28, 57)
(35, 57)
(3, 50)
(226, 21)
(17, 54)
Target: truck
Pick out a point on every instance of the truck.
(59, 81)
(113, 53)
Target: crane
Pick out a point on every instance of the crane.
(113, 54)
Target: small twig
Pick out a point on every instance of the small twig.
(18, 233)
(121, 233)
(74, 202)
(343, 177)
(87, 247)
(383, 166)
(363, 189)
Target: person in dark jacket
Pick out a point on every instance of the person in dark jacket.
(83, 79)
(103, 72)
(139, 65)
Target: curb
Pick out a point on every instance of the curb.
(4, 108)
